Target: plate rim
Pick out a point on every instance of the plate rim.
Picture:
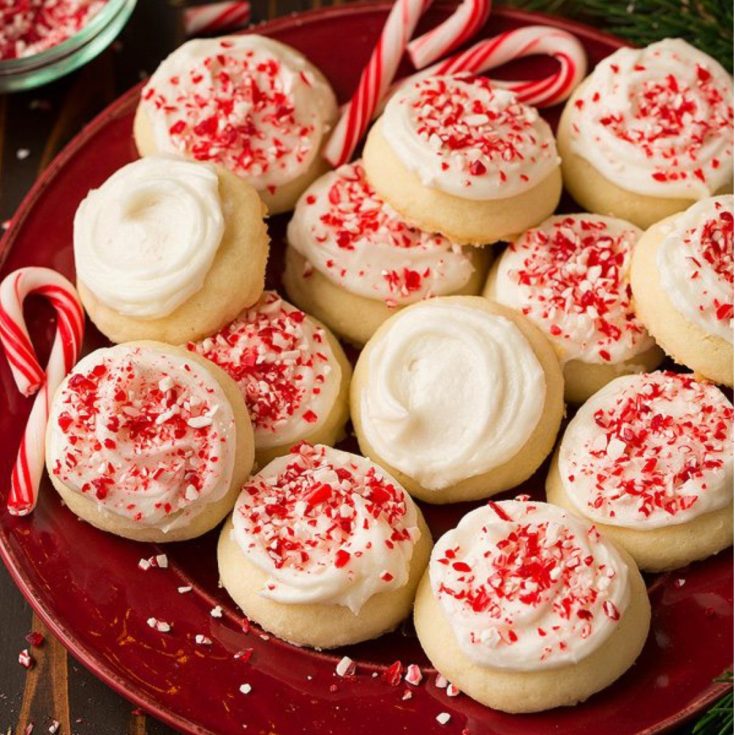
(86, 655)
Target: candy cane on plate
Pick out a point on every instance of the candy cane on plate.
(28, 374)
(216, 17)
(529, 41)
(469, 17)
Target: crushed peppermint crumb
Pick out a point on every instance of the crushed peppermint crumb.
(184, 589)
(452, 691)
(680, 582)
(53, 728)
(246, 688)
(22, 153)
(440, 682)
(25, 659)
(35, 638)
(413, 675)
(216, 612)
(159, 625)
(345, 667)
(202, 640)
(407, 694)
(443, 718)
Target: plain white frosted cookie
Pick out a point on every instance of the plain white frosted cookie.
(169, 250)
(570, 277)
(525, 607)
(682, 279)
(649, 460)
(149, 442)
(292, 373)
(458, 156)
(323, 549)
(458, 398)
(256, 106)
(648, 133)
(352, 261)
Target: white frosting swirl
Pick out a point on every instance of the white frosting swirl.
(451, 391)
(145, 240)
(327, 527)
(464, 137)
(362, 245)
(148, 435)
(695, 265)
(649, 451)
(657, 121)
(526, 586)
(256, 106)
(570, 276)
(284, 365)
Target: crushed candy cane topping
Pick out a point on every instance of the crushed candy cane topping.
(569, 276)
(28, 27)
(325, 526)
(360, 243)
(526, 586)
(468, 138)
(284, 365)
(649, 451)
(148, 435)
(246, 102)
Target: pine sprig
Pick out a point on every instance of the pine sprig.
(706, 24)
(718, 720)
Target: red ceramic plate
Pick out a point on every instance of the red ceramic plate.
(87, 586)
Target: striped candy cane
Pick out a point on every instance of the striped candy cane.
(216, 17)
(528, 41)
(28, 374)
(462, 25)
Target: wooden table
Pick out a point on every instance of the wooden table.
(34, 126)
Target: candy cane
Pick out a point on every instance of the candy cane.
(528, 41)
(216, 17)
(28, 374)
(469, 17)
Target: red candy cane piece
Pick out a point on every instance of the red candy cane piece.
(216, 17)
(528, 41)
(469, 17)
(27, 372)
(375, 80)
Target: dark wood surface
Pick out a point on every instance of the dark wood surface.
(34, 126)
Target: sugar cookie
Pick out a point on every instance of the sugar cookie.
(456, 155)
(570, 277)
(525, 607)
(352, 261)
(458, 398)
(149, 442)
(323, 548)
(648, 133)
(649, 460)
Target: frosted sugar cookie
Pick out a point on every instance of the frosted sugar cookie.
(169, 250)
(149, 442)
(352, 261)
(649, 460)
(323, 548)
(249, 103)
(648, 133)
(458, 398)
(291, 371)
(682, 279)
(457, 156)
(570, 277)
(525, 607)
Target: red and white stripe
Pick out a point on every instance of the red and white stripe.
(529, 41)
(462, 25)
(375, 80)
(28, 374)
(219, 17)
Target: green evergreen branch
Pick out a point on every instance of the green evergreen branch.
(706, 24)
(718, 720)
